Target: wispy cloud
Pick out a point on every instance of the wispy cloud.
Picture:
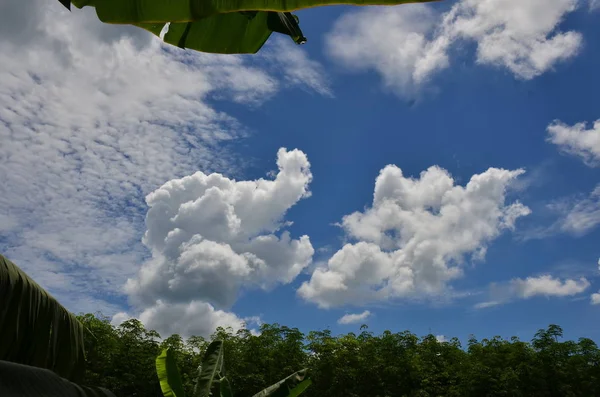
(544, 285)
(354, 318)
(576, 215)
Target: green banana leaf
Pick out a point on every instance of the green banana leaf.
(216, 26)
(292, 386)
(168, 375)
(211, 372)
(153, 11)
(23, 380)
(35, 329)
(233, 33)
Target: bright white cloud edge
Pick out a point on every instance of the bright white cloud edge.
(544, 285)
(409, 44)
(414, 238)
(354, 318)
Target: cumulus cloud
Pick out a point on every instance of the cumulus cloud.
(441, 338)
(544, 285)
(211, 236)
(407, 45)
(93, 117)
(595, 298)
(577, 140)
(354, 318)
(414, 238)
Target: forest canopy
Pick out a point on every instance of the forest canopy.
(122, 359)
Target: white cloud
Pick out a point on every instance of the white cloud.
(547, 285)
(92, 118)
(408, 44)
(296, 67)
(194, 318)
(577, 215)
(354, 318)
(544, 285)
(577, 140)
(441, 338)
(583, 215)
(391, 40)
(414, 238)
(211, 236)
(595, 298)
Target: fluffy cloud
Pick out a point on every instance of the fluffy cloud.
(595, 298)
(210, 236)
(577, 140)
(415, 236)
(544, 285)
(93, 117)
(408, 44)
(354, 318)
(393, 41)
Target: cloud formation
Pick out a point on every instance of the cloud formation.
(407, 45)
(93, 117)
(354, 318)
(544, 285)
(211, 236)
(576, 215)
(414, 238)
(577, 140)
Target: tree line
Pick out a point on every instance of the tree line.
(122, 359)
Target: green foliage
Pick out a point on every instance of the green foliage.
(350, 365)
(292, 386)
(211, 379)
(218, 26)
(37, 330)
(210, 372)
(168, 375)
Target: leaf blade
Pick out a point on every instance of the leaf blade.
(168, 375)
(210, 369)
(291, 386)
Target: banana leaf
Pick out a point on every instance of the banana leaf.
(233, 33)
(216, 26)
(292, 386)
(23, 380)
(154, 11)
(211, 371)
(35, 329)
(168, 375)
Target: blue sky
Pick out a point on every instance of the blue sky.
(90, 145)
